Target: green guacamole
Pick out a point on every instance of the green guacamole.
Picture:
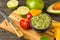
(41, 21)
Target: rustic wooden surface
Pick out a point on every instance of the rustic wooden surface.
(4, 35)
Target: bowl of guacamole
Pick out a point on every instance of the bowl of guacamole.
(41, 22)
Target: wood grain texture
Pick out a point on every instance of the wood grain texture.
(30, 34)
(5, 25)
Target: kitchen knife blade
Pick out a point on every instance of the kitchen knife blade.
(14, 27)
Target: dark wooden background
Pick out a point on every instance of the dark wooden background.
(5, 35)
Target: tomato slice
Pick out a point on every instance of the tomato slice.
(25, 24)
(22, 21)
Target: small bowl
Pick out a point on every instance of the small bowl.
(42, 30)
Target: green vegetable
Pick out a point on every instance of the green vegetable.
(41, 21)
(35, 4)
(44, 38)
(23, 10)
(12, 4)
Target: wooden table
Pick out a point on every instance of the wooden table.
(5, 35)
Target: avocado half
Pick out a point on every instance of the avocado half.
(52, 11)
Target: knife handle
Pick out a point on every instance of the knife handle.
(16, 29)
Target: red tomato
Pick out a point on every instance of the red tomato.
(22, 21)
(28, 21)
(29, 16)
(25, 24)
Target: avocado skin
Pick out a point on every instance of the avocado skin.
(35, 4)
(52, 11)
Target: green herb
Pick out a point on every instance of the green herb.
(44, 38)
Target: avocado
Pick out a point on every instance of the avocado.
(52, 11)
(35, 4)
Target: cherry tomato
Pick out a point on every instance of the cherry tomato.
(29, 16)
(25, 24)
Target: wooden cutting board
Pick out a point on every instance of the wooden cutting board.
(30, 34)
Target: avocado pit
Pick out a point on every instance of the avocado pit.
(56, 6)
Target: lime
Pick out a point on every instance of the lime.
(23, 10)
(13, 0)
(12, 4)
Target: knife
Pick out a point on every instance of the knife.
(14, 27)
